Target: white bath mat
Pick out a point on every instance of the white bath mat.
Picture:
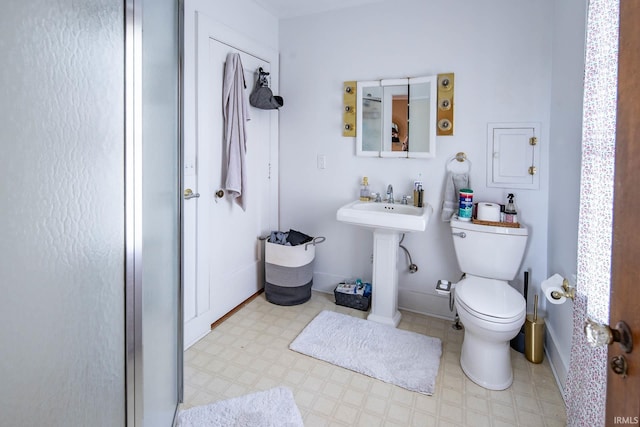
(406, 359)
(271, 408)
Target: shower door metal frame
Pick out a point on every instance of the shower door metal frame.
(133, 199)
(134, 380)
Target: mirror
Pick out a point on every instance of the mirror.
(369, 123)
(396, 117)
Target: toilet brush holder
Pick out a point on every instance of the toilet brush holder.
(534, 335)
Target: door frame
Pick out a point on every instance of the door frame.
(623, 395)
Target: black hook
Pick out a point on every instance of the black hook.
(262, 72)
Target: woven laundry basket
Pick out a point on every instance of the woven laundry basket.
(289, 272)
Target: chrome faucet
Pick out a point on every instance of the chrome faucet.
(390, 194)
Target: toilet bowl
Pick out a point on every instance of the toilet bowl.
(491, 311)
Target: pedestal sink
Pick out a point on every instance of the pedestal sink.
(388, 221)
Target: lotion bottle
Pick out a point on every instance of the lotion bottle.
(364, 190)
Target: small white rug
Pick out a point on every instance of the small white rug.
(271, 408)
(406, 359)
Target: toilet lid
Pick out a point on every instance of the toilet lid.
(488, 297)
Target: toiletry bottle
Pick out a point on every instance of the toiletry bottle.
(417, 185)
(420, 196)
(510, 212)
(364, 190)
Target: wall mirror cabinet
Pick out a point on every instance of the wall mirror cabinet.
(397, 117)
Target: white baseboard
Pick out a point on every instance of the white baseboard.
(558, 362)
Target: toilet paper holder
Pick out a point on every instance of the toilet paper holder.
(568, 291)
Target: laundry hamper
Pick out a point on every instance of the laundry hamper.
(289, 272)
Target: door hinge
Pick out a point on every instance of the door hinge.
(533, 140)
(269, 177)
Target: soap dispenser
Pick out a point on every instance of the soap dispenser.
(364, 190)
(510, 211)
(417, 188)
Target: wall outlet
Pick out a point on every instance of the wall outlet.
(322, 161)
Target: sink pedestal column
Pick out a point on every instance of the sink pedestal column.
(384, 306)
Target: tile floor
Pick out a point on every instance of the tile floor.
(249, 352)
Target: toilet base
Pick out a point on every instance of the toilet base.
(487, 364)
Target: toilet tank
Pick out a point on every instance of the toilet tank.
(489, 251)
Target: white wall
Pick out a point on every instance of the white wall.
(62, 212)
(565, 159)
(500, 52)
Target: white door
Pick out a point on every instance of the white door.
(223, 256)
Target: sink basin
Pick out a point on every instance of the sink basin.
(388, 216)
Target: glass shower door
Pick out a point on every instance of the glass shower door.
(160, 212)
(154, 354)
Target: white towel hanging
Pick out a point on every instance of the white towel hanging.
(456, 179)
(236, 114)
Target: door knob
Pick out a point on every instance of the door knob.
(599, 334)
(189, 194)
(219, 193)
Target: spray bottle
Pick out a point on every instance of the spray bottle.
(510, 211)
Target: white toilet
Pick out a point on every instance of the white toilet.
(491, 311)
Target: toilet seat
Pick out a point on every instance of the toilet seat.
(491, 300)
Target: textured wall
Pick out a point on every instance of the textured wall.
(61, 208)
